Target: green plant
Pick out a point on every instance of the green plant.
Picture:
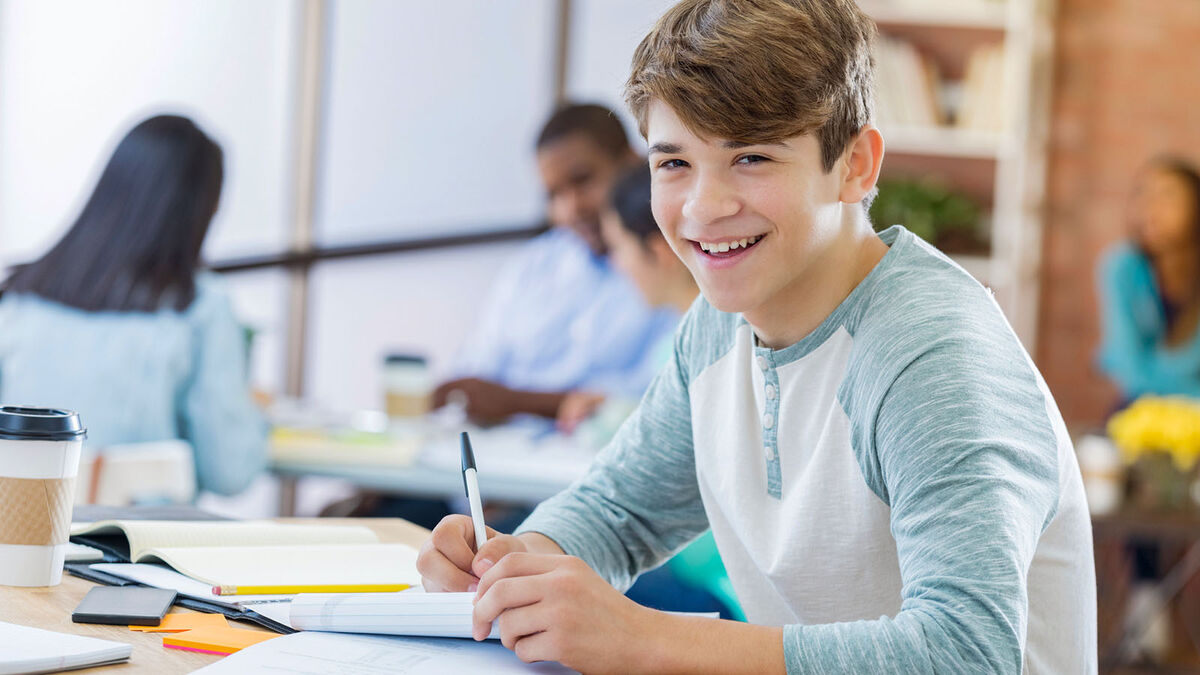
(927, 208)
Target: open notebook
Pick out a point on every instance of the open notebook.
(254, 553)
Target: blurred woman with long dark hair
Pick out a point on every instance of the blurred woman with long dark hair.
(118, 322)
(1150, 288)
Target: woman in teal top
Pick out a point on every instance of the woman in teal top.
(116, 322)
(1150, 288)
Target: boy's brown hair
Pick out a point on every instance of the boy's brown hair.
(760, 71)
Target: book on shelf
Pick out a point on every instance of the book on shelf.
(912, 94)
(907, 86)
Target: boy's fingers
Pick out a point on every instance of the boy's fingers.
(496, 547)
(520, 622)
(536, 647)
(518, 564)
(506, 594)
(439, 574)
(454, 537)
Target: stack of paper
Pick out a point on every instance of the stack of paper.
(33, 650)
(411, 613)
(161, 576)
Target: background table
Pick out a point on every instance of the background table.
(517, 463)
(50, 608)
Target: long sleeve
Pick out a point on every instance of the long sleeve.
(218, 416)
(639, 503)
(969, 465)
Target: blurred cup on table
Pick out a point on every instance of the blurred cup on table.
(1103, 473)
(39, 461)
(408, 385)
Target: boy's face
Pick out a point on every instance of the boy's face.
(775, 201)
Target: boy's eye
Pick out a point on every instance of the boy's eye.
(672, 164)
(752, 159)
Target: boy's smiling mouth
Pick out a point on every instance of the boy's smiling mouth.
(728, 248)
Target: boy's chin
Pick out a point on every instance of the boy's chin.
(729, 300)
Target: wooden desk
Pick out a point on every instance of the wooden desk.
(51, 608)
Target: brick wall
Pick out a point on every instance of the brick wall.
(1126, 87)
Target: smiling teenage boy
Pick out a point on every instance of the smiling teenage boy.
(888, 480)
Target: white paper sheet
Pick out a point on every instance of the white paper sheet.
(160, 576)
(33, 650)
(326, 565)
(334, 653)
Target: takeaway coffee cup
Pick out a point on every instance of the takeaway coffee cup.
(39, 459)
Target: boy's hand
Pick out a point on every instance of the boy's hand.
(447, 561)
(556, 608)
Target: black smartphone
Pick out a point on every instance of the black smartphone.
(124, 605)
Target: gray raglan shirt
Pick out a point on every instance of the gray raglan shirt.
(897, 489)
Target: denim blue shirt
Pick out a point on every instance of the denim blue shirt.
(560, 317)
(1133, 352)
(138, 377)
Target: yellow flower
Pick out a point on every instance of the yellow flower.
(1169, 424)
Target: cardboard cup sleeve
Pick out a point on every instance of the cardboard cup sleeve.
(35, 511)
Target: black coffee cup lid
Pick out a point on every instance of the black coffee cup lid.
(27, 423)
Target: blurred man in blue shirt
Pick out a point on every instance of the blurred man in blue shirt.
(559, 318)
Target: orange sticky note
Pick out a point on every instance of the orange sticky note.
(216, 640)
(181, 621)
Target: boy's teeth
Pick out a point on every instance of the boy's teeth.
(725, 246)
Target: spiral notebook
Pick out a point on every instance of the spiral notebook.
(411, 613)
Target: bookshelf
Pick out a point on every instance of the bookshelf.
(964, 99)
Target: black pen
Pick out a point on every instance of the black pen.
(471, 485)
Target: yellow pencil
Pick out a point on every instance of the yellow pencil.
(313, 588)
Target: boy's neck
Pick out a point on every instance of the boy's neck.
(799, 309)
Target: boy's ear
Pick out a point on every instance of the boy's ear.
(860, 165)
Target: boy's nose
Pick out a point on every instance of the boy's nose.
(710, 201)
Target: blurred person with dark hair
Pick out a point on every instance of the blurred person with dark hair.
(1150, 288)
(638, 250)
(694, 580)
(118, 322)
(558, 317)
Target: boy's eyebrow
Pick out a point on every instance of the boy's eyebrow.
(666, 148)
(736, 145)
(673, 148)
